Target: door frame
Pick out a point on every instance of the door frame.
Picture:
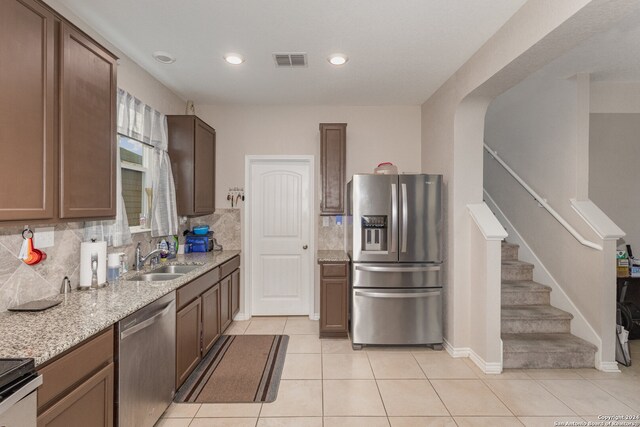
(251, 160)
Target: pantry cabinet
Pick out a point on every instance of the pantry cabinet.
(57, 118)
(192, 149)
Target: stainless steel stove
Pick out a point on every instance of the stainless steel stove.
(18, 383)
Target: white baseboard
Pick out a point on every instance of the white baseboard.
(314, 316)
(486, 367)
(609, 367)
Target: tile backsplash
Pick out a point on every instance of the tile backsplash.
(20, 283)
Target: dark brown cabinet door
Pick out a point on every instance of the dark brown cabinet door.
(192, 149)
(27, 137)
(225, 303)
(210, 318)
(334, 298)
(89, 404)
(87, 128)
(188, 340)
(204, 173)
(235, 293)
(333, 164)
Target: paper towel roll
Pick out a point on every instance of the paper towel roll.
(86, 249)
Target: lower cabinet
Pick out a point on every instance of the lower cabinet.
(334, 300)
(77, 388)
(225, 302)
(188, 336)
(235, 292)
(210, 318)
(206, 307)
(89, 404)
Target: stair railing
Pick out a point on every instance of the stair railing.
(542, 201)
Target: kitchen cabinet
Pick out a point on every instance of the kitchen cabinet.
(188, 340)
(205, 309)
(334, 299)
(235, 292)
(225, 302)
(210, 318)
(77, 388)
(333, 167)
(57, 118)
(87, 127)
(192, 149)
(27, 115)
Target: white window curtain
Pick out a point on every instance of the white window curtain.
(141, 122)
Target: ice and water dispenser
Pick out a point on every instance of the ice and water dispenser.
(374, 233)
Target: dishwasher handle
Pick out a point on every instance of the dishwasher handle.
(147, 322)
(403, 295)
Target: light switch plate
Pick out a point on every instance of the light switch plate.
(326, 221)
(43, 238)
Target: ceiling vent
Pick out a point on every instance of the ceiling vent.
(288, 60)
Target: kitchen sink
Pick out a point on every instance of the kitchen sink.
(155, 277)
(164, 273)
(175, 269)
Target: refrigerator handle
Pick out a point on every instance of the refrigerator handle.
(394, 218)
(405, 217)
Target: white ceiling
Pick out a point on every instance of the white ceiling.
(400, 51)
(613, 55)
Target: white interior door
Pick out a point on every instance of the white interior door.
(281, 256)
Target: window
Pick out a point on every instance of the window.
(135, 158)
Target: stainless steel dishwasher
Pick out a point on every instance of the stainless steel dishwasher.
(147, 360)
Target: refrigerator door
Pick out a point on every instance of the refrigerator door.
(420, 224)
(396, 275)
(396, 316)
(375, 217)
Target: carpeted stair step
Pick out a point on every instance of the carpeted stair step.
(509, 251)
(524, 292)
(535, 319)
(516, 270)
(537, 351)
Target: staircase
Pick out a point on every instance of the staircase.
(534, 333)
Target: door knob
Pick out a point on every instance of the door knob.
(305, 247)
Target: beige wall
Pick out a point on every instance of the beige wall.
(614, 174)
(374, 135)
(615, 97)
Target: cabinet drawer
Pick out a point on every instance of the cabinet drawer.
(334, 270)
(62, 374)
(228, 267)
(195, 288)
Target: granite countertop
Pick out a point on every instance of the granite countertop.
(44, 335)
(332, 256)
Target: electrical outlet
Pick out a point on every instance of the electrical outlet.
(43, 237)
(326, 221)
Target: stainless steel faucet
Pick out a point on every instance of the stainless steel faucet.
(140, 260)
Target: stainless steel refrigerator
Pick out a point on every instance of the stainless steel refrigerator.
(395, 243)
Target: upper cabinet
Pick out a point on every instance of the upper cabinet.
(57, 118)
(192, 149)
(333, 165)
(87, 128)
(27, 139)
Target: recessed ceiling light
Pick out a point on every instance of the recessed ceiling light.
(164, 57)
(338, 59)
(234, 58)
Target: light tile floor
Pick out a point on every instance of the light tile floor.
(327, 384)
